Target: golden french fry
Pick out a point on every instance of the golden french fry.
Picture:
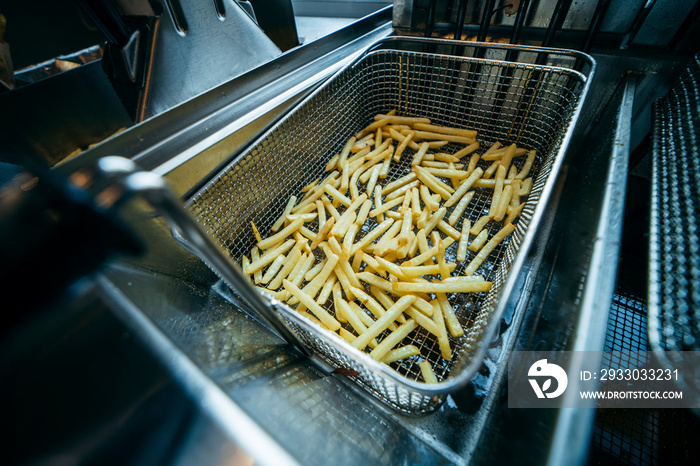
(287, 210)
(323, 232)
(401, 120)
(451, 321)
(426, 371)
(527, 165)
(420, 135)
(433, 183)
(270, 255)
(393, 339)
(463, 286)
(322, 315)
(498, 189)
(467, 133)
(372, 235)
(513, 214)
(486, 250)
(503, 203)
(479, 241)
(462, 248)
(398, 354)
(382, 323)
(460, 208)
(419, 155)
(443, 341)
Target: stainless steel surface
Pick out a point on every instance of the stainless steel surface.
(195, 50)
(115, 179)
(288, 157)
(169, 141)
(674, 240)
(574, 425)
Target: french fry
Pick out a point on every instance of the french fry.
(320, 313)
(400, 120)
(273, 269)
(371, 236)
(287, 210)
(467, 150)
(337, 196)
(393, 339)
(281, 235)
(404, 352)
(420, 135)
(428, 199)
(321, 213)
(422, 320)
(419, 154)
(291, 261)
(527, 165)
(443, 341)
(449, 230)
(464, 286)
(371, 127)
(451, 321)
(467, 133)
(398, 183)
(311, 274)
(382, 323)
(486, 250)
(268, 257)
(462, 248)
(479, 241)
(399, 193)
(503, 203)
(297, 275)
(337, 297)
(418, 270)
(491, 170)
(326, 290)
(513, 213)
(480, 224)
(498, 189)
(402, 146)
(460, 208)
(433, 183)
(322, 233)
(426, 371)
(508, 156)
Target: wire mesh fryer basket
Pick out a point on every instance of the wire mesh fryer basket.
(453, 84)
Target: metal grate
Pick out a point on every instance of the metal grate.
(674, 259)
(626, 436)
(531, 105)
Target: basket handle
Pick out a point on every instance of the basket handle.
(127, 180)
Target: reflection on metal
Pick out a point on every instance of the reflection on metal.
(573, 426)
(198, 51)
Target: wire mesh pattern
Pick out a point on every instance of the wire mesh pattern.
(639, 436)
(510, 102)
(674, 259)
(628, 436)
(675, 223)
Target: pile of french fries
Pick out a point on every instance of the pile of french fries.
(376, 250)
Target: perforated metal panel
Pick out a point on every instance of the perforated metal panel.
(511, 102)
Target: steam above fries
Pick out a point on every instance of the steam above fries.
(378, 262)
